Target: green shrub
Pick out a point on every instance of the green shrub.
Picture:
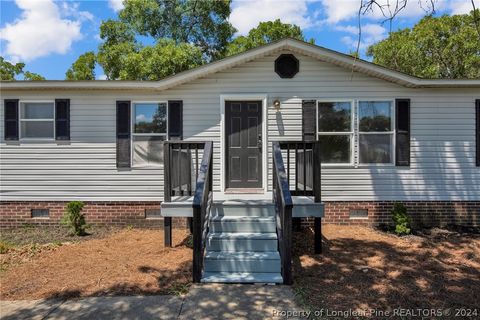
(74, 218)
(401, 219)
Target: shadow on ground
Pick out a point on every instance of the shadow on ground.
(371, 270)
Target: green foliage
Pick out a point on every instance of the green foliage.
(179, 288)
(74, 218)
(83, 68)
(5, 247)
(8, 71)
(203, 23)
(125, 61)
(123, 58)
(27, 75)
(401, 219)
(264, 33)
(436, 47)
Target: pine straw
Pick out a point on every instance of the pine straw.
(362, 268)
(125, 262)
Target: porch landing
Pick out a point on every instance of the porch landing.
(303, 206)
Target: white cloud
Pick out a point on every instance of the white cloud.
(462, 6)
(371, 33)
(339, 10)
(102, 77)
(73, 9)
(116, 5)
(246, 14)
(39, 31)
(141, 117)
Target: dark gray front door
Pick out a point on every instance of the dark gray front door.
(243, 125)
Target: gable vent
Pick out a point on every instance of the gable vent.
(287, 66)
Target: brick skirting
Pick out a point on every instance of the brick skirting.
(423, 213)
(19, 213)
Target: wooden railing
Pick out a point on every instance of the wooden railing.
(304, 164)
(283, 203)
(202, 203)
(181, 169)
(303, 167)
(182, 160)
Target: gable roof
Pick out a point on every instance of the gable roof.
(320, 53)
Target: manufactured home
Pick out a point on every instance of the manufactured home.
(243, 146)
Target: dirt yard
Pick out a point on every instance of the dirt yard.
(123, 262)
(362, 268)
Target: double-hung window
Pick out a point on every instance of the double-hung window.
(149, 131)
(375, 132)
(335, 131)
(37, 120)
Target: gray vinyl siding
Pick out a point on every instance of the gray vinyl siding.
(442, 138)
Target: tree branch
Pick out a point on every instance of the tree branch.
(476, 19)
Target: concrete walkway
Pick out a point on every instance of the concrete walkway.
(208, 301)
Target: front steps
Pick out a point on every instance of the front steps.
(242, 243)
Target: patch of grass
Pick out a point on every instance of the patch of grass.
(5, 247)
(179, 288)
(189, 242)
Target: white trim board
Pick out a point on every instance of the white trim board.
(296, 46)
(244, 97)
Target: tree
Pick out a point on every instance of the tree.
(9, 71)
(123, 58)
(163, 59)
(265, 32)
(83, 68)
(119, 42)
(436, 47)
(201, 23)
(186, 34)
(27, 75)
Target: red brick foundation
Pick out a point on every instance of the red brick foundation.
(18, 213)
(424, 214)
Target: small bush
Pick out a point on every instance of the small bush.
(401, 219)
(74, 218)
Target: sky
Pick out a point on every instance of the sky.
(49, 35)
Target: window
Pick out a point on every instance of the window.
(37, 120)
(149, 132)
(335, 131)
(375, 132)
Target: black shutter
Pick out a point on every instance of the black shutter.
(477, 131)
(175, 120)
(11, 119)
(402, 126)
(123, 134)
(308, 120)
(62, 119)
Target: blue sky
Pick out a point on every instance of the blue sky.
(49, 35)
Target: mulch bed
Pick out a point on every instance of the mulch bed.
(362, 268)
(43, 235)
(123, 262)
